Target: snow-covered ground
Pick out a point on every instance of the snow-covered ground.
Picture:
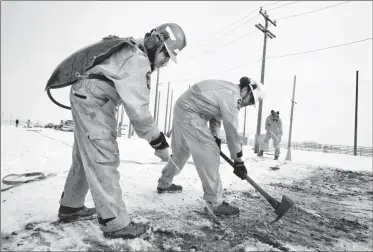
(311, 179)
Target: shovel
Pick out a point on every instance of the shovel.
(280, 208)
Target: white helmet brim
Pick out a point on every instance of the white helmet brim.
(258, 93)
(171, 53)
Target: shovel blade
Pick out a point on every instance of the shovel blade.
(283, 207)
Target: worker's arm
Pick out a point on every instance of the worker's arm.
(133, 89)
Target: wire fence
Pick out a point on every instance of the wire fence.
(329, 148)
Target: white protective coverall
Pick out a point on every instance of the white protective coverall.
(95, 152)
(274, 124)
(207, 101)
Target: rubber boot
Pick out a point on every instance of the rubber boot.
(260, 153)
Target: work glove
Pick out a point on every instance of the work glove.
(161, 147)
(218, 141)
(240, 169)
(164, 154)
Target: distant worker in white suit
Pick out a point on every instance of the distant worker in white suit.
(102, 75)
(28, 123)
(209, 101)
(273, 126)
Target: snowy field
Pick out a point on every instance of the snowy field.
(333, 195)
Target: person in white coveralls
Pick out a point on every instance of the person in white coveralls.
(209, 102)
(120, 70)
(273, 126)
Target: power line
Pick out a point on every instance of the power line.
(320, 49)
(275, 57)
(299, 14)
(232, 41)
(247, 15)
(271, 3)
(255, 16)
(282, 5)
(241, 24)
(247, 34)
(230, 26)
(228, 43)
(229, 31)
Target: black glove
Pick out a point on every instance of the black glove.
(160, 143)
(218, 141)
(240, 170)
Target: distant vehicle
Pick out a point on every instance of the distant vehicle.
(68, 125)
(49, 125)
(69, 128)
(69, 122)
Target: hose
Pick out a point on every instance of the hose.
(15, 183)
(56, 102)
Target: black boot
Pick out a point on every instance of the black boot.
(260, 153)
(133, 230)
(223, 209)
(67, 214)
(171, 189)
(276, 157)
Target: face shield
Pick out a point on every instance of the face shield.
(170, 41)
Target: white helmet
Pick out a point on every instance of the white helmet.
(173, 38)
(257, 89)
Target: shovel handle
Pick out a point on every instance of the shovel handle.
(274, 203)
(273, 134)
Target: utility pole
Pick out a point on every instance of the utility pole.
(288, 154)
(269, 34)
(165, 119)
(159, 96)
(169, 120)
(156, 94)
(356, 103)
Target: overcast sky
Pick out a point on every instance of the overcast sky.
(37, 36)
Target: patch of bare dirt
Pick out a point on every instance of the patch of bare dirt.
(332, 211)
